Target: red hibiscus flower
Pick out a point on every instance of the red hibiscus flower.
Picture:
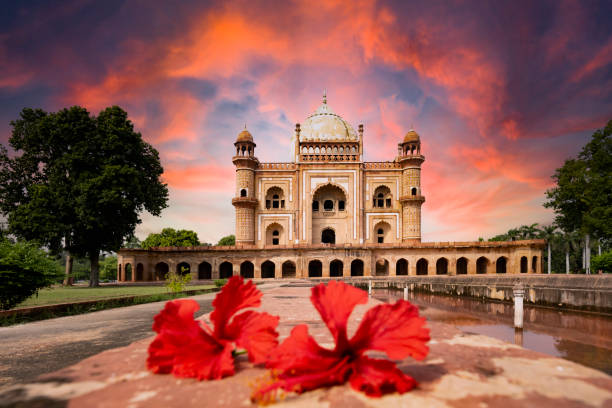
(189, 348)
(300, 364)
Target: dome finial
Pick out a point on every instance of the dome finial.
(325, 96)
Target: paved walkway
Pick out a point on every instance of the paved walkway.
(31, 349)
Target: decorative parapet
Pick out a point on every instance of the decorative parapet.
(381, 165)
(277, 166)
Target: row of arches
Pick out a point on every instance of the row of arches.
(329, 150)
(336, 268)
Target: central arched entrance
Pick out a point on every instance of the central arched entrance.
(328, 236)
(247, 270)
(330, 215)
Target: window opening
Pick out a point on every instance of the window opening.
(328, 205)
(243, 193)
(315, 206)
(341, 205)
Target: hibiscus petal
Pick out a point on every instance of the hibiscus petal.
(335, 303)
(303, 365)
(235, 296)
(255, 332)
(300, 352)
(377, 377)
(395, 329)
(184, 348)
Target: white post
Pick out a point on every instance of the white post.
(519, 292)
(588, 254)
(406, 293)
(370, 288)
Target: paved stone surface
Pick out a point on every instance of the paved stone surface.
(31, 349)
(462, 370)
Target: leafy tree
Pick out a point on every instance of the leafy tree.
(24, 269)
(132, 242)
(581, 199)
(108, 267)
(602, 262)
(227, 241)
(78, 182)
(169, 237)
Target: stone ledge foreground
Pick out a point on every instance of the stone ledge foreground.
(462, 370)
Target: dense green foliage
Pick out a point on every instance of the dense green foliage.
(602, 263)
(169, 237)
(523, 232)
(24, 269)
(227, 241)
(581, 200)
(78, 182)
(108, 268)
(132, 242)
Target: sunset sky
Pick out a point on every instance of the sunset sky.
(500, 92)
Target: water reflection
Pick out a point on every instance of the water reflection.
(584, 338)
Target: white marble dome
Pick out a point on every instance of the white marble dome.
(325, 125)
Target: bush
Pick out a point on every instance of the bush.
(176, 283)
(602, 262)
(220, 282)
(24, 269)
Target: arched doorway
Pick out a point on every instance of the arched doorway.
(275, 235)
(357, 267)
(267, 270)
(534, 264)
(161, 270)
(226, 270)
(139, 272)
(462, 266)
(401, 267)
(336, 268)
(183, 268)
(128, 272)
(247, 270)
(524, 263)
(482, 264)
(288, 269)
(382, 232)
(204, 270)
(382, 267)
(442, 266)
(315, 269)
(500, 265)
(328, 236)
(329, 210)
(422, 266)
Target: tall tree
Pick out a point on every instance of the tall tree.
(78, 181)
(548, 233)
(582, 197)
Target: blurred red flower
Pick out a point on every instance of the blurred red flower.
(189, 348)
(300, 364)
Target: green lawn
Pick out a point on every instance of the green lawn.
(60, 294)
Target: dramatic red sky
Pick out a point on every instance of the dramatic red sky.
(500, 92)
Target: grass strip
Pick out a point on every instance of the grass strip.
(26, 315)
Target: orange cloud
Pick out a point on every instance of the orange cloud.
(203, 177)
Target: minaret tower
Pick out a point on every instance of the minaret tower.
(245, 200)
(410, 158)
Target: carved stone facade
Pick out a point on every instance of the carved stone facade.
(329, 213)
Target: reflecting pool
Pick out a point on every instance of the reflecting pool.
(585, 338)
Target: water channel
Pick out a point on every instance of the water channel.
(585, 338)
